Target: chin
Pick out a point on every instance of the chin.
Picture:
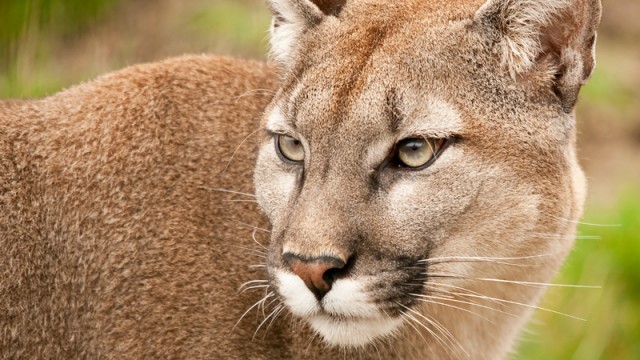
(353, 332)
(346, 317)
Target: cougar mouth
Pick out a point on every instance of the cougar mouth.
(346, 316)
(353, 332)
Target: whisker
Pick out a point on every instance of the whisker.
(445, 332)
(560, 236)
(282, 308)
(446, 346)
(238, 148)
(582, 223)
(589, 237)
(459, 288)
(226, 191)
(457, 308)
(254, 252)
(252, 226)
(264, 306)
(253, 236)
(253, 287)
(249, 249)
(254, 92)
(270, 294)
(515, 282)
(486, 258)
(524, 305)
(408, 321)
(470, 259)
(250, 282)
(240, 201)
(265, 320)
(467, 303)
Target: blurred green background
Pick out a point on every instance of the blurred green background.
(46, 45)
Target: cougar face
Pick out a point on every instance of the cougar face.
(409, 152)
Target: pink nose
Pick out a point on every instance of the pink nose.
(317, 273)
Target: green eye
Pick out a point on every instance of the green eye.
(289, 148)
(416, 153)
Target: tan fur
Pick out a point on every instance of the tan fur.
(119, 240)
(502, 79)
(114, 242)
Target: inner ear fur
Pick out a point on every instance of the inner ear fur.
(330, 7)
(291, 18)
(555, 36)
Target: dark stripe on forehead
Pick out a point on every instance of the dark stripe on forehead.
(356, 52)
(392, 110)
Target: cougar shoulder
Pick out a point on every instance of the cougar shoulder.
(116, 238)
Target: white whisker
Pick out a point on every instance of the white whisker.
(452, 341)
(253, 287)
(254, 92)
(408, 321)
(240, 201)
(238, 148)
(265, 320)
(252, 226)
(467, 303)
(282, 308)
(267, 296)
(524, 305)
(253, 236)
(227, 191)
(583, 223)
(492, 260)
(446, 346)
(524, 283)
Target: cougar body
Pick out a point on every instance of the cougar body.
(129, 220)
(114, 240)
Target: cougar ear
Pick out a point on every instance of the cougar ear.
(291, 18)
(557, 34)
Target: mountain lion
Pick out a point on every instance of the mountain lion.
(416, 164)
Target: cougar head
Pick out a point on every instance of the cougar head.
(411, 146)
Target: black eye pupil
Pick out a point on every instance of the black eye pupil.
(414, 145)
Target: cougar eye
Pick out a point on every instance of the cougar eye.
(417, 153)
(289, 148)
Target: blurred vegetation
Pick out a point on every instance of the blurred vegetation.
(22, 18)
(46, 45)
(606, 255)
(22, 26)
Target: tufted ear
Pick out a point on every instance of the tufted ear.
(291, 18)
(557, 35)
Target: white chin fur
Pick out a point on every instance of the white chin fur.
(346, 317)
(353, 333)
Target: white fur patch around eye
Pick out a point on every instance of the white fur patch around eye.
(275, 119)
(435, 117)
(298, 298)
(354, 333)
(401, 191)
